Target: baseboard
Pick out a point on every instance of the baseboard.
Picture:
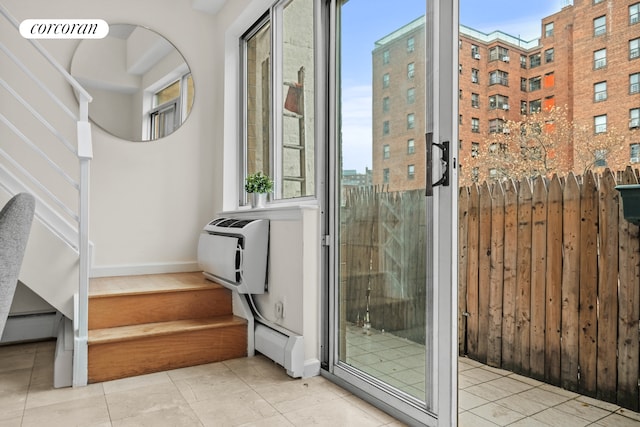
(141, 269)
(311, 368)
(30, 327)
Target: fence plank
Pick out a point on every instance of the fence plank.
(538, 276)
(510, 271)
(629, 310)
(553, 282)
(607, 289)
(472, 271)
(523, 280)
(494, 350)
(463, 216)
(484, 271)
(570, 283)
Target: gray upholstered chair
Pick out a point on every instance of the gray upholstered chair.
(15, 225)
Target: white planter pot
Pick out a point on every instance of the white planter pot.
(258, 200)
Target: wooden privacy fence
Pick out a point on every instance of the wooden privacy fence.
(549, 277)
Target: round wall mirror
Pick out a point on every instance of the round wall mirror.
(141, 85)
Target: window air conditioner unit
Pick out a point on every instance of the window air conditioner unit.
(476, 56)
(634, 159)
(506, 131)
(634, 19)
(601, 96)
(634, 123)
(505, 107)
(505, 58)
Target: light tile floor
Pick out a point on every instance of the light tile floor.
(255, 391)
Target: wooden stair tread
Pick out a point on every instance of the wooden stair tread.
(149, 284)
(133, 332)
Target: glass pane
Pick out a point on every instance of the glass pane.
(258, 100)
(167, 94)
(382, 219)
(298, 146)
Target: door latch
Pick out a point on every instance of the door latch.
(444, 180)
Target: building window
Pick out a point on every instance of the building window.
(535, 106)
(549, 80)
(475, 52)
(385, 57)
(385, 127)
(460, 68)
(475, 76)
(597, 1)
(600, 123)
(600, 92)
(634, 118)
(475, 125)
(385, 104)
(634, 155)
(600, 25)
(548, 55)
(534, 83)
(459, 93)
(411, 95)
(475, 149)
(634, 13)
(411, 146)
(411, 171)
(548, 29)
(523, 107)
(496, 126)
(634, 48)
(475, 100)
(411, 121)
(523, 84)
(499, 77)
(498, 102)
(601, 158)
(634, 83)
(534, 60)
(459, 119)
(385, 175)
(499, 53)
(548, 103)
(411, 70)
(411, 44)
(523, 61)
(599, 59)
(386, 151)
(385, 80)
(475, 174)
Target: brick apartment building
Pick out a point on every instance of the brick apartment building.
(587, 59)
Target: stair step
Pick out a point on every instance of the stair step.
(122, 301)
(126, 351)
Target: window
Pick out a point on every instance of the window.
(599, 59)
(549, 80)
(475, 125)
(475, 100)
(498, 102)
(535, 106)
(498, 77)
(535, 60)
(475, 149)
(460, 119)
(634, 155)
(270, 132)
(386, 151)
(634, 83)
(475, 174)
(411, 70)
(385, 80)
(475, 75)
(170, 106)
(600, 124)
(523, 84)
(600, 92)
(385, 57)
(411, 171)
(411, 95)
(597, 1)
(548, 55)
(634, 48)
(411, 120)
(460, 94)
(385, 127)
(411, 146)
(385, 104)
(548, 103)
(634, 13)
(548, 29)
(600, 25)
(601, 158)
(460, 68)
(496, 126)
(411, 44)
(523, 107)
(534, 83)
(523, 61)
(634, 118)
(385, 176)
(499, 53)
(475, 52)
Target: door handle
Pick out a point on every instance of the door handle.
(444, 179)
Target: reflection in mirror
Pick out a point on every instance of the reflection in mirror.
(141, 85)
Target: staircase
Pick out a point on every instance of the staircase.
(144, 324)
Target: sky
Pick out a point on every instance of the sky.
(366, 21)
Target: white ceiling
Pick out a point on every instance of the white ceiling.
(209, 6)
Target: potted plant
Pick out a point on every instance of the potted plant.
(258, 185)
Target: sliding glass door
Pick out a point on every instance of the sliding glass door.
(392, 295)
